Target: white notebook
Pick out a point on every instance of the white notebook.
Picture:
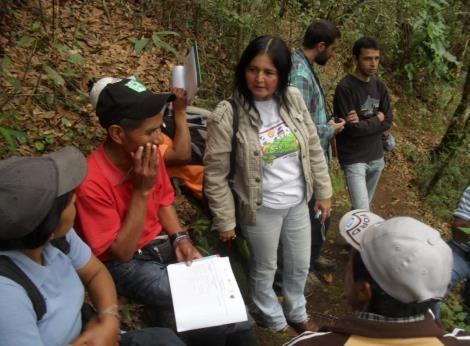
(188, 76)
(205, 294)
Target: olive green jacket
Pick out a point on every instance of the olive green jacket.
(248, 177)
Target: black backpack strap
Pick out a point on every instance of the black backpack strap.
(234, 138)
(9, 269)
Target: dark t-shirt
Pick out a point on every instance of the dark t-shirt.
(362, 141)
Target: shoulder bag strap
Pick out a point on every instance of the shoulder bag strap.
(234, 139)
(9, 269)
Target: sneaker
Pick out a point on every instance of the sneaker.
(305, 326)
(323, 264)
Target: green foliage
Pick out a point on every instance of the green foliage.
(412, 153)
(139, 45)
(453, 313)
(25, 42)
(465, 230)
(224, 30)
(53, 75)
(429, 54)
(339, 188)
(10, 135)
(158, 41)
(444, 197)
(13, 81)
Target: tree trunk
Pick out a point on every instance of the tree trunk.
(455, 140)
(458, 123)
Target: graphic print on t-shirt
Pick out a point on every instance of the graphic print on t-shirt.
(370, 107)
(278, 141)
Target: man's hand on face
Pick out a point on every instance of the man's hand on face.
(339, 126)
(145, 167)
(352, 117)
(185, 251)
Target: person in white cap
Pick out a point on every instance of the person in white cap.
(397, 269)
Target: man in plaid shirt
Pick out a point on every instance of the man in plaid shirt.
(320, 42)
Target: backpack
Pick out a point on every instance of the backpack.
(9, 269)
(197, 124)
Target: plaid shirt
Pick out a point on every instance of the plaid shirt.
(463, 212)
(304, 78)
(379, 318)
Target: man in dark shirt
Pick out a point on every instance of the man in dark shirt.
(362, 100)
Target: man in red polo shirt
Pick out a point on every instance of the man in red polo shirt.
(126, 201)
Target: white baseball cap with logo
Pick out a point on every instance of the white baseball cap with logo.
(407, 258)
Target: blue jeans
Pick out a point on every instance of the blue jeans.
(461, 267)
(292, 227)
(146, 282)
(362, 179)
(460, 271)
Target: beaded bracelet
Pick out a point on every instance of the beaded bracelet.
(111, 310)
(179, 238)
(176, 235)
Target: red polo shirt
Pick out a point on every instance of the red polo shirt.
(102, 202)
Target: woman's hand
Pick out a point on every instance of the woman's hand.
(227, 235)
(100, 331)
(325, 206)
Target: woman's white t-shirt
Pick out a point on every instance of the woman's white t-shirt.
(283, 180)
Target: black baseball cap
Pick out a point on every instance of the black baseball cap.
(115, 99)
(29, 186)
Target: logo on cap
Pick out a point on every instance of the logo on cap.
(136, 86)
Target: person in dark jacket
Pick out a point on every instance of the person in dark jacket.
(397, 270)
(362, 100)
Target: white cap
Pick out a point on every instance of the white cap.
(98, 87)
(407, 258)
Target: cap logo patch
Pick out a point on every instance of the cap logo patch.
(355, 225)
(350, 222)
(136, 86)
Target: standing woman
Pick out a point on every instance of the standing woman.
(278, 164)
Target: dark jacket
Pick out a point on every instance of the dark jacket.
(356, 331)
(361, 142)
